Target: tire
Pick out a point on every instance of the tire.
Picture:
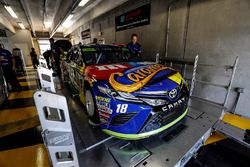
(90, 105)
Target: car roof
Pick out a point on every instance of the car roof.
(102, 48)
(99, 46)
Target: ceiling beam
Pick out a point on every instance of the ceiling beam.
(6, 23)
(72, 8)
(27, 14)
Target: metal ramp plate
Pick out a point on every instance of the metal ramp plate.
(178, 150)
(129, 154)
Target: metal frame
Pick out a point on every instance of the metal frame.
(46, 79)
(194, 80)
(228, 130)
(57, 132)
(222, 107)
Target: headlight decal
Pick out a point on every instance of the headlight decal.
(154, 102)
(116, 95)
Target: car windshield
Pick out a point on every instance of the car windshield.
(107, 56)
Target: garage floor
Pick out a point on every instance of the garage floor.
(20, 134)
(27, 139)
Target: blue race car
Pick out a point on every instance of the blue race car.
(130, 99)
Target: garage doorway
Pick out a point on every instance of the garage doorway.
(44, 45)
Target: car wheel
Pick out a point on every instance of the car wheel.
(91, 106)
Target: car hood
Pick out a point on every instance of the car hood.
(103, 71)
(146, 78)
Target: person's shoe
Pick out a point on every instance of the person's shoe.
(54, 74)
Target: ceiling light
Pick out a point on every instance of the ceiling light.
(47, 24)
(60, 28)
(83, 2)
(68, 21)
(21, 25)
(11, 11)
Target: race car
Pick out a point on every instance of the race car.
(129, 99)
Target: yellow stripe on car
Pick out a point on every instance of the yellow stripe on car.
(176, 78)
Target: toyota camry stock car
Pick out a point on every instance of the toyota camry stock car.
(130, 99)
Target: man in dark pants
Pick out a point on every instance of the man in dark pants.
(56, 55)
(47, 56)
(135, 47)
(34, 59)
(7, 63)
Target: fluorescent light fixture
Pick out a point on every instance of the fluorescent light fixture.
(68, 22)
(47, 24)
(21, 25)
(11, 11)
(59, 29)
(83, 2)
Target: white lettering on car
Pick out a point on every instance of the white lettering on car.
(122, 108)
(110, 67)
(120, 66)
(170, 106)
(101, 68)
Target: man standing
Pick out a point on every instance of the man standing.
(56, 56)
(34, 59)
(7, 63)
(47, 56)
(135, 47)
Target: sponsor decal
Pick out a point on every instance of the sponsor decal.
(103, 105)
(59, 139)
(104, 109)
(104, 115)
(173, 105)
(110, 67)
(104, 99)
(134, 18)
(104, 121)
(140, 78)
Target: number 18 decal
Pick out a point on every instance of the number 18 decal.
(122, 108)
